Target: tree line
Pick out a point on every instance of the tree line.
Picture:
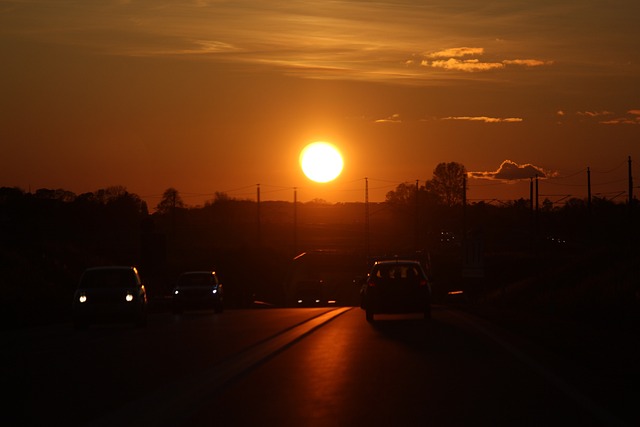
(49, 236)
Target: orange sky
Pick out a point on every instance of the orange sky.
(207, 96)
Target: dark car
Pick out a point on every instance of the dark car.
(110, 294)
(396, 286)
(198, 290)
(310, 293)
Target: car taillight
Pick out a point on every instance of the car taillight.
(423, 282)
(371, 283)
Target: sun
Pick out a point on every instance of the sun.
(321, 161)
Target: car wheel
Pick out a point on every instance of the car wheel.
(427, 312)
(369, 315)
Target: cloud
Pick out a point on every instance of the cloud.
(594, 113)
(511, 171)
(632, 117)
(622, 121)
(469, 65)
(340, 40)
(456, 52)
(486, 119)
(527, 62)
(472, 64)
(394, 118)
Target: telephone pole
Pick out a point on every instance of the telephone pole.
(295, 221)
(464, 207)
(630, 188)
(258, 219)
(417, 213)
(366, 218)
(589, 190)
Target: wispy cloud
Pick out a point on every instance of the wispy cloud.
(486, 119)
(311, 39)
(527, 62)
(510, 171)
(606, 117)
(469, 65)
(196, 47)
(453, 61)
(594, 113)
(394, 118)
(622, 121)
(632, 118)
(456, 52)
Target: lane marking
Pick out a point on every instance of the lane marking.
(175, 403)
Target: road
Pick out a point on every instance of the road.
(281, 367)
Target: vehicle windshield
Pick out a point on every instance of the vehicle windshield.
(108, 279)
(204, 279)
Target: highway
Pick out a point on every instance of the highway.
(289, 366)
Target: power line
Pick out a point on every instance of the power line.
(611, 170)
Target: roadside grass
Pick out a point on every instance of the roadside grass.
(583, 313)
(585, 310)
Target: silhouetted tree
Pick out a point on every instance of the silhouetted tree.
(521, 204)
(170, 201)
(106, 195)
(221, 196)
(447, 183)
(404, 194)
(58, 194)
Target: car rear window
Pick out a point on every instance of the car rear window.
(397, 272)
(108, 279)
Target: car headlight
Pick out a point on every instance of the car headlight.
(215, 291)
(82, 298)
(129, 297)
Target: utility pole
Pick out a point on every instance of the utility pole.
(417, 221)
(295, 221)
(537, 197)
(630, 188)
(631, 225)
(366, 218)
(532, 217)
(537, 215)
(464, 207)
(258, 219)
(589, 190)
(531, 193)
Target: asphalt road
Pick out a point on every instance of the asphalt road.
(281, 367)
